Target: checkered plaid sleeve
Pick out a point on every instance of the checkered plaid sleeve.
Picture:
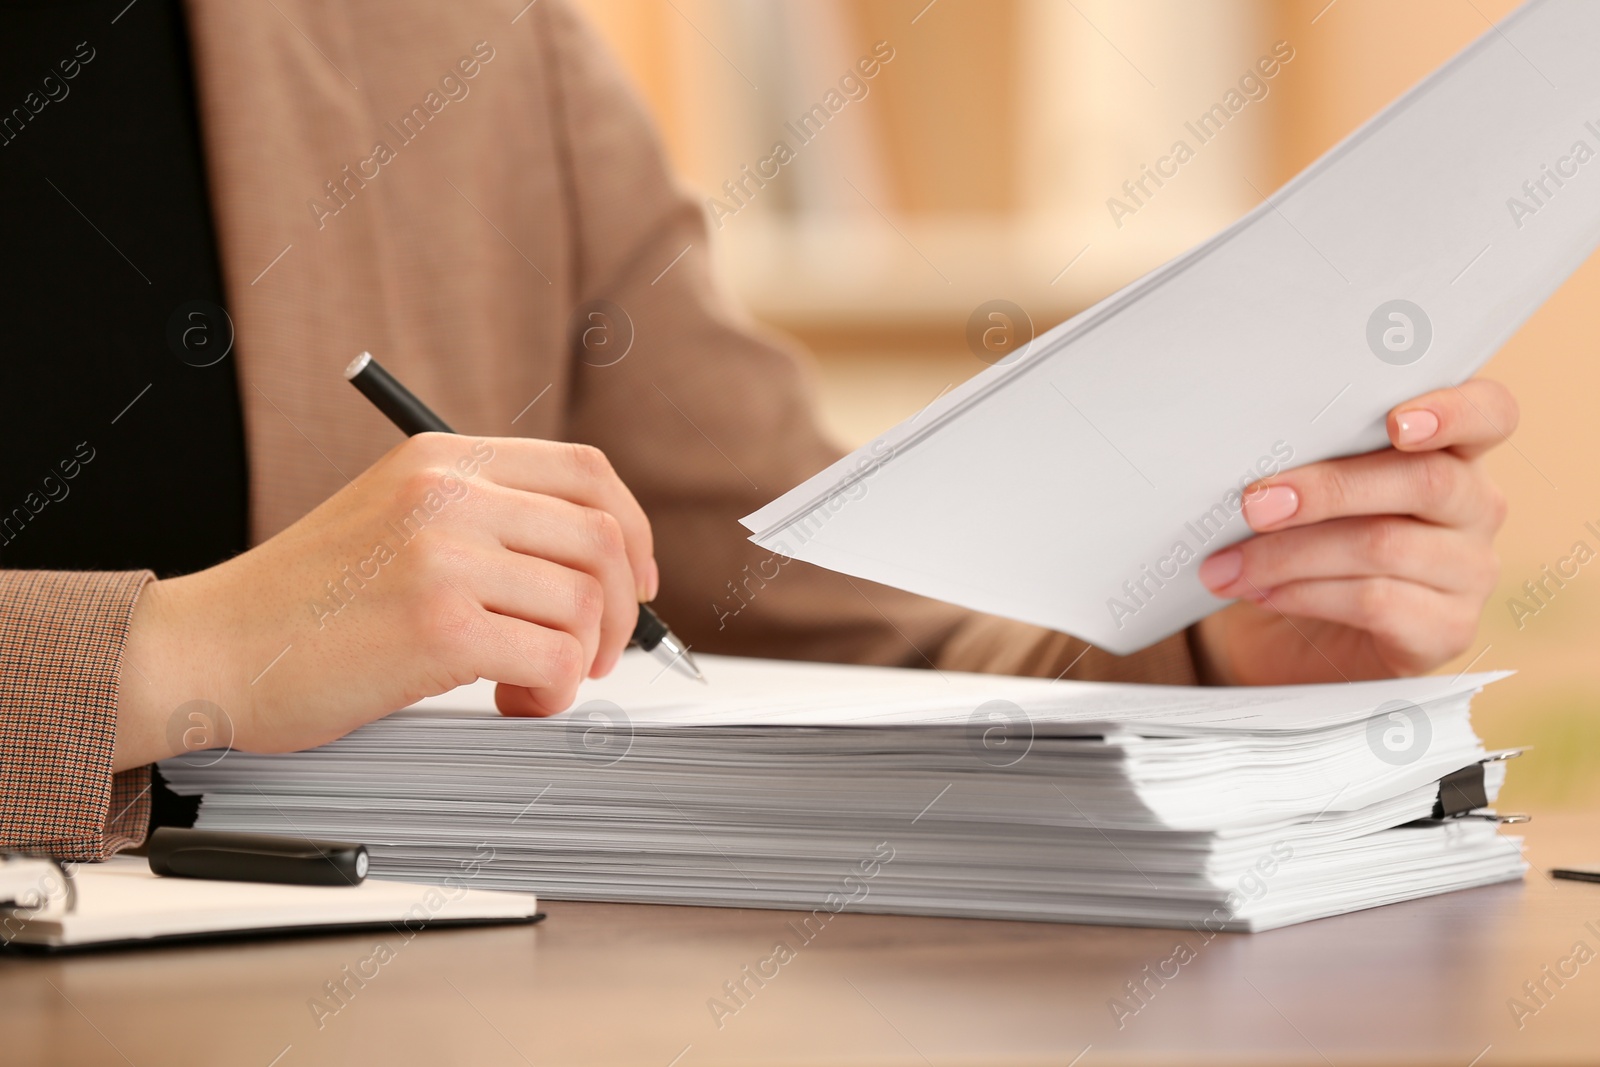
(61, 640)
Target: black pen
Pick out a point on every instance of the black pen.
(414, 417)
(247, 857)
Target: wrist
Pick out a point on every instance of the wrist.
(174, 677)
(139, 736)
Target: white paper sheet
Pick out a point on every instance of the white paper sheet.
(1079, 486)
(758, 692)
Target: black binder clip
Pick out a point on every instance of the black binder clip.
(1463, 792)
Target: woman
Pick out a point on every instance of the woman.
(444, 184)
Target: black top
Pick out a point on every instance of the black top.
(120, 422)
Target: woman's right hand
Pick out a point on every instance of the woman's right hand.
(450, 559)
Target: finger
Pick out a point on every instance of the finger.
(539, 591)
(1418, 627)
(1368, 547)
(517, 702)
(1470, 418)
(582, 475)
(578, 537)
(577, 473)
(539, 668)
(524, 702)
(1439, 487)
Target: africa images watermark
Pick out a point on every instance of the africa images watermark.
(1537, 992)
(1538, 191)
(340, 991)
(53, 488)
(999, 332)
(53, 89)
(1398, 332)
(853, 86)
(600, 332)
(1140, 991)
(1253, 86)
(453, 88)
(1000, 733)
(752, 978)
(605, 737)
(1537, 593)
(342, 591)
(804, 528)
(1140, 590)
(52, 887)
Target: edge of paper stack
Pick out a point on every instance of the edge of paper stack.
(822, 788)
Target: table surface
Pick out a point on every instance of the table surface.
(1428, 982)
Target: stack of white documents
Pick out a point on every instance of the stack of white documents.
(821, 788)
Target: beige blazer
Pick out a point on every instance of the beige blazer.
(445, 184)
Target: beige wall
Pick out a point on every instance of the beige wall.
(988, 146)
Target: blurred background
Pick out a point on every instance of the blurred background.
(977, 163)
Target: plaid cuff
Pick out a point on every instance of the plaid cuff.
(61, 639)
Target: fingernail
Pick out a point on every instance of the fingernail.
(1416, 426)
(1271, 506)
(1222, 569)
(652, 580)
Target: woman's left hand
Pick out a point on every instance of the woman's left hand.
(1370, 566)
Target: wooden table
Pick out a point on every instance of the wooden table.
(1429, 982)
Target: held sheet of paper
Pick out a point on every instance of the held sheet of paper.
(1079, 483)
